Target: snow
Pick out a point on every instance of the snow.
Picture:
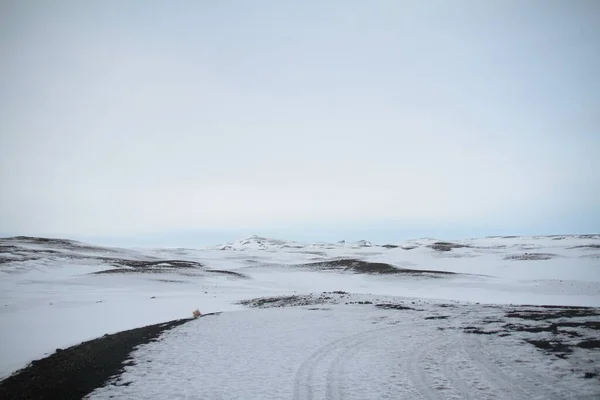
(50, 297)
(345, 352)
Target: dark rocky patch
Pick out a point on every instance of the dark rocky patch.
(552, 313)
(367, 267)
(75, 372)
(488, 320)
(558, 348)
(447, 246)
(390, 246)
(225, 272)
(284, 301)
(530, 256)
(589, 344)
(149, 266)
(438, 317)
(8, 248)
(144, 264)
(447, 306)
(57, 243)
(395, 307)
(558, 307)
(586, 246)
(478, 331)
(162, 266)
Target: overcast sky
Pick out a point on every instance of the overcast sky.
(325, 119)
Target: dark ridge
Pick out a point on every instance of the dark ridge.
(159, 264)
(586, 246)
(146, 266)
(4, 248)
(446, 246)
(367, 267)
(75, 372)
(389, 246)
(58, 243)
(44, 240)
(225, 272)
(394, 307)
(558, 307)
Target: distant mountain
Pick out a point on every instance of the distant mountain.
(256, 242)
(269, 244)
(260, 243)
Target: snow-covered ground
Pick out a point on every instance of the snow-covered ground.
(53, 296)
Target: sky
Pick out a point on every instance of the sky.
(197, 122)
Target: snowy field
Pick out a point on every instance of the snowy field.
(417, 319)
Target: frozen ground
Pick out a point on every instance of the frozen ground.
(57, 293)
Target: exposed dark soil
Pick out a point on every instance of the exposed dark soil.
(367, 267)
(75, 372)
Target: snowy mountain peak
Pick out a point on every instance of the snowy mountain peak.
(256, 242)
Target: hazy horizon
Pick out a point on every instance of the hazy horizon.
(180, 122)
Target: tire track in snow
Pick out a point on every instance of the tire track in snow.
(518, 388)
(305, 381)
(417, 371)
(445, 367)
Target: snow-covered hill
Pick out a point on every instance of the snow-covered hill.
(55, 293)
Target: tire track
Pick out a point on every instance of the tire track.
(416, 368)
(305, 379)
(520, 388)
(438, 365)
